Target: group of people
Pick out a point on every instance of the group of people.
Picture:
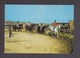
(54, 28)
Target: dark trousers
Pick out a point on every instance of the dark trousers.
(10, 33)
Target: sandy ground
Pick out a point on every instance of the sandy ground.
(23, 42)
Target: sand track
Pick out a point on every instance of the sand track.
(23, 42)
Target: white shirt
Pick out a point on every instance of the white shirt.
(29, 24)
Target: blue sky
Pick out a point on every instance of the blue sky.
(39, 13)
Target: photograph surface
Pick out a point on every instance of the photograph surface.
(41, 29)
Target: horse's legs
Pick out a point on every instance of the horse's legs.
(57, 35)
(18, 29)
(52, 33)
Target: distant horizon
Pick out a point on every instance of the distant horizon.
(39, 13)
(36, 22)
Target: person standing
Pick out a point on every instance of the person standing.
(10, 31)
(17, 27)
(38, 28)
(29, 26)
(41, 28)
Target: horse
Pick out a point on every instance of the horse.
(30, 28)
(44, 29)
(14, 27)
(19, 27)
(41, 29)
(54, 31)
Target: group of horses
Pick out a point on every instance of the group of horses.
(17, 28)
(29, 28)
(38, 28)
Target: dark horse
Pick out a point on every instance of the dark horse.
(30, 28)
(15, 27)
(42, 30)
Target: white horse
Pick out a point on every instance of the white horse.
(55, 30)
